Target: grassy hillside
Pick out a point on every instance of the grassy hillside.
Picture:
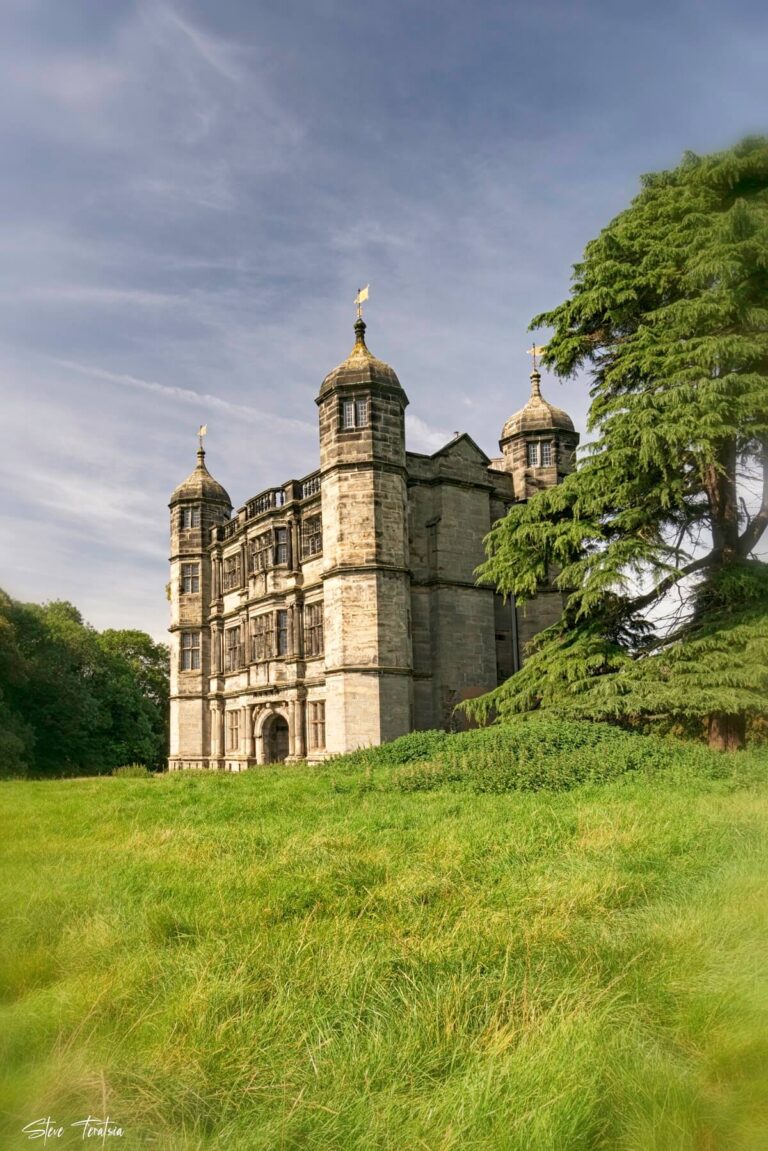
(540, 941)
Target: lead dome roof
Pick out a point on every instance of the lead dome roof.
(201, 485)
(538, 415)
(360, 367)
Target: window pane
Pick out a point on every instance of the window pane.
(282, 632)
(546, 455)
(190, 578)
(348, 410)
(361, 413)
(190, 651)
(533, 455)
(312, 537)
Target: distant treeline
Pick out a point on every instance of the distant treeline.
(75, 701)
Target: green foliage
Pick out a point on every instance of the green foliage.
(132, 771)
(259, 961)
(416, 746)
(73, 701)
(669, 308)
(540, 753)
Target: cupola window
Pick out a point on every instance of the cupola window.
(190, 518)
(539, 454)
(354, 414)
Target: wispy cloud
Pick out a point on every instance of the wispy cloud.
(221, 55)
(201, 401)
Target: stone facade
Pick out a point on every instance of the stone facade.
(341, 610)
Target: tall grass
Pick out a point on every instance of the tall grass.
(323, 959)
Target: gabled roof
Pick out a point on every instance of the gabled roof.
(465, 440)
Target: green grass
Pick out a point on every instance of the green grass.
(338, 959)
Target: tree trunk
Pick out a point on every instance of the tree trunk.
(727, 732)
(720, 485)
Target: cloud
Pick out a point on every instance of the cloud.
(278, 424)
(221, 55)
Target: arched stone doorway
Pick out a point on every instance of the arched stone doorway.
(275, 739)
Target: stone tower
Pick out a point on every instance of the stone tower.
(366, 578)
(197, 505)
(539, 448)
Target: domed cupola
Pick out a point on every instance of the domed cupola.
(537, 415)
(361, 410)
(360, 368)
(538, 442)
(200, 485)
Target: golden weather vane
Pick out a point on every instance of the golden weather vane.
(536, 350)
(202, 431)
(362, 294)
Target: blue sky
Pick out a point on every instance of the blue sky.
(191, 193)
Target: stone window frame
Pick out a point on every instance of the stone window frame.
(282, 633)
(536, 451)
(189, 651)
(189, 584)
(233, 648)
(262, 552)
(231, 576)
(189, 517)
(262, 632)
(312, 536)
(282, 541)
(233, 729)
(316, 724)
(314, 639)
(354, 413)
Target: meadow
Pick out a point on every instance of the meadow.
(548, 939)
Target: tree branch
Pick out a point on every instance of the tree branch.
(670, 581)
(757, 525)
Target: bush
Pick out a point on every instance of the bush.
(132, 771)
(416, 747)
(548, 754)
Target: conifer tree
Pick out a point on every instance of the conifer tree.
(669, 309)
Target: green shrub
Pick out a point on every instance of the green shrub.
(132, 771)
(415, 747)
(550, 755)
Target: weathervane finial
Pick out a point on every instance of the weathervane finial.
(201, 431)
(362, 294)
(536, 350)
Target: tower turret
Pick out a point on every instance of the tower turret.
(368, 662)
(197, 505)
(538, 443)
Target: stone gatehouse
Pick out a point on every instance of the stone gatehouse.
(340, 610)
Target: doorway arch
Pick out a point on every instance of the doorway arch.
(274, 736)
